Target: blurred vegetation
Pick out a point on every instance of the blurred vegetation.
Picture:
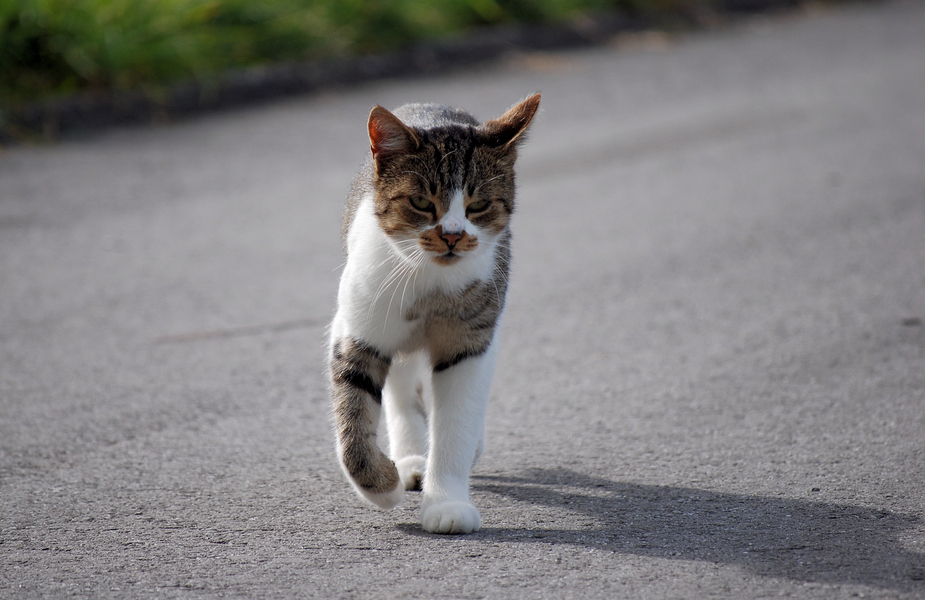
(50, 48)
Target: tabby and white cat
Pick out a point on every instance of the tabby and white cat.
(428, 245)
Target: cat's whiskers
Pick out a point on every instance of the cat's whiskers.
(408, 264)
(397, 272)
(416, 157)
(408, 268)
(487, 181)
(445, 156)
(394, 276)
(502, 264)
(420, 258)
(473, 169)
(424, 179)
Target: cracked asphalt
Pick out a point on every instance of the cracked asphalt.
(712, 372)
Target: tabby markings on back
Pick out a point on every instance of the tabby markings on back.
(428, 249)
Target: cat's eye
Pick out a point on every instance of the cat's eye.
(478, 206)
(422, 204)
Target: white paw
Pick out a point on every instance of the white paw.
(451, 517)
(411, 471)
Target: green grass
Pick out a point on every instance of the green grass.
(50, 48)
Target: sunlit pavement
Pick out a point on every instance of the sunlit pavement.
(712, 375)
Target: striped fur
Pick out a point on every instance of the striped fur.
(462, 325)
(428, 249)
(357, 376)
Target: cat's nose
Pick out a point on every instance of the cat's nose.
(450, 238)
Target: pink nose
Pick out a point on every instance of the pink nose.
(451, 238)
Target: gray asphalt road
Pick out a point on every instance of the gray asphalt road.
(712, 376)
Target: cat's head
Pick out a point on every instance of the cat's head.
(444, 185)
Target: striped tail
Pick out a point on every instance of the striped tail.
(357, 375)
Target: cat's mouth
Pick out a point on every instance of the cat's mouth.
(447, 258)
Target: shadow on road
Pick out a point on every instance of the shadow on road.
(795, 539)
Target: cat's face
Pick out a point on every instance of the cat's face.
(434, 201)
(447, 192)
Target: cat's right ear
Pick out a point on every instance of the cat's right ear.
(388, 135)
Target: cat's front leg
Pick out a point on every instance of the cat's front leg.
(457, 422)
(358, 373)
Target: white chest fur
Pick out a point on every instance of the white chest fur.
(384, 277)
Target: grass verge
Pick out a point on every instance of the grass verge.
(133, 54)
(50, 48)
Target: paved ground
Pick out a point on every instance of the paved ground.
(712, 379)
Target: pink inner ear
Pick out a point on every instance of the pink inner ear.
(387, 133)
(377, 135)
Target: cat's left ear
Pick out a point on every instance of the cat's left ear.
(388, 135)
(509, 129)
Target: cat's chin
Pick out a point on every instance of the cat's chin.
(450, 258)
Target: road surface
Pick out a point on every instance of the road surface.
(712, 374)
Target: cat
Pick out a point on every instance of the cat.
(428, 247)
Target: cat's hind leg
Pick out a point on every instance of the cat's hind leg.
(405, 399)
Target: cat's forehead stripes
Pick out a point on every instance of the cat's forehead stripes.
(451, 150)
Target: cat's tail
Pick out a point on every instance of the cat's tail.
(357, 375)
